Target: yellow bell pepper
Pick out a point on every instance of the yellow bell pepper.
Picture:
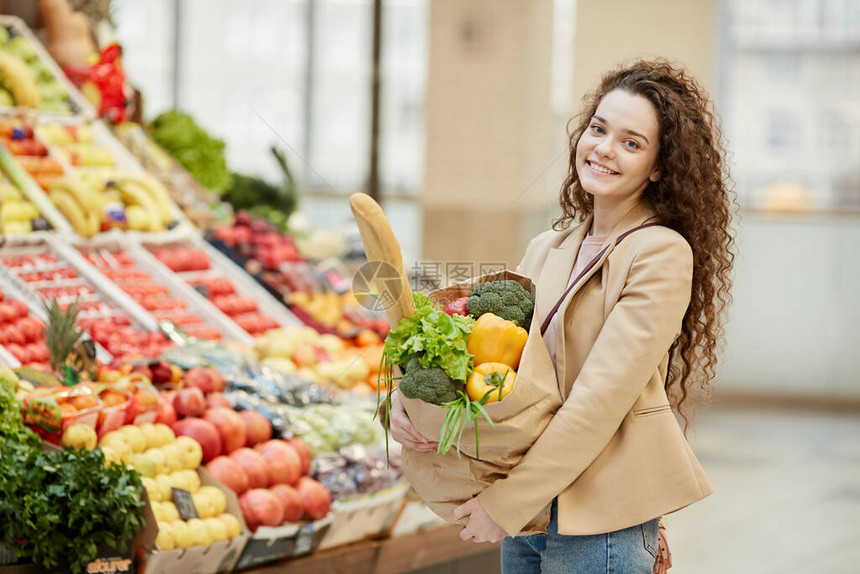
(497, 340)
(492, 379)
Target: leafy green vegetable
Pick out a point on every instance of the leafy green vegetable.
(201, 154)
(431, 384)
(11, 424)
(59, 506)
(506, 299)
(274, 203)
(438, 338)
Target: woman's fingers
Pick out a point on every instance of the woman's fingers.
(405, 433)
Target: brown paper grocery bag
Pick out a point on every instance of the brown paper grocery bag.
(445, 482)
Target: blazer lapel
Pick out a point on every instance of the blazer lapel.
(639, 215)
(555, 273)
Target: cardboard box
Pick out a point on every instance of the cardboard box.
(218, 557)
(365, 517)
(110, 560)
(269, 544)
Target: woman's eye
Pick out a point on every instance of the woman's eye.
(596, 129)
(632, 144)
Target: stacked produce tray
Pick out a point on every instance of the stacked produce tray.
(91, 153)
(46, 72)
(136, 272)
(23, 157)
(221, 281)
(44, 267)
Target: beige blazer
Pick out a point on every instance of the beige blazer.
(614, 453)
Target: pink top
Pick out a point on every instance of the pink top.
(589, 248)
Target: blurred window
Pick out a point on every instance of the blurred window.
(293, 73)
(791, 97)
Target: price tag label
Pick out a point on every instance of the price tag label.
(184, 504)
(304, 539)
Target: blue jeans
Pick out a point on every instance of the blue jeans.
(628, 551)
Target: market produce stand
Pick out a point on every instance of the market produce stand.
(424, 549)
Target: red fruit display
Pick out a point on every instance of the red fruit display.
(106, 324)
(203, 432)
(229, 472)
(256, 466)
(189, 402)
(261, 507)
(230, 425)
(121, 268)
(218, 400)
(259, 428)
(285, 465)
(315, 498)
(22, 335)
(304, 452)
(291, 500)
(218, 288)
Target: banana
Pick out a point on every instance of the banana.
(21, 82)
(83, 193)
(73, 211)
(94, 223)
(134, 194)
(380, 244)
(156, 190)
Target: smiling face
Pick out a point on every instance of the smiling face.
(617, 153)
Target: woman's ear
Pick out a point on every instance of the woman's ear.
(656, 174)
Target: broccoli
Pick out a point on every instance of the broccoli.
(507, 299)
(430, 384)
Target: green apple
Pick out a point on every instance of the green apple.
(144, 464)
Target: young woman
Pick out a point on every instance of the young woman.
(646, 272)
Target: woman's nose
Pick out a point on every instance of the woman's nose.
(604, 148)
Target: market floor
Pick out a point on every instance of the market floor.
(787, 495)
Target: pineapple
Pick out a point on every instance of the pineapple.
(62, 334)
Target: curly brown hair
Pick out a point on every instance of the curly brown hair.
(693, 196)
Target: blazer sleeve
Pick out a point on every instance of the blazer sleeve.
(635, 336)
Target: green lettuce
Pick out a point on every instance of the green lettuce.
(437, 338)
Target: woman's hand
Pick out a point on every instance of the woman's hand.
(480, 526)
(402, 430)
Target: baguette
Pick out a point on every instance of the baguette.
(380, 244)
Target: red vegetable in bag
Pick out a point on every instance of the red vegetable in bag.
(456, 307)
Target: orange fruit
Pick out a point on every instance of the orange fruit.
(82, 402)
(68, 409)
(146, 398)
(111, 399)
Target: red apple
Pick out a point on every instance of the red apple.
(161, 373)
(285, 464)
(304, 452)
(198, 377)
(230, 425)
(219, 385)
(261, 507)
(203, 432)
(259, 427)
(189, 402)
(315, 498)
(229, 472)
(218, 400)
(166, 413)
(292, 501)
(255, 465)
